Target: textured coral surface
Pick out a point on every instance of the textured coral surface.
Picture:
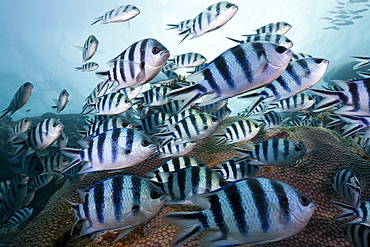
(313, 177)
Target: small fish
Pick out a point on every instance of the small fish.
(150, 123)
(62, 140)
(222, 113)
(237, 70)
(28, 110)
(32, 165)
(119, 14)
(173, 107)
(110, 150)
(41, 136)
(41, 181)
(250, 211)
(331, 27)
(18, 218)
(356, 17)
(238, 131)
(54, 162)
(192, 180)
(90, 66)
(362, 61)
(275, 152)
(327, 18)
(155, 96)
(171, 149)
(178, 163)
(299, 55)
(180, 116)
(70, 176)
(360, 214)
(214, 17)
(357, 234)
(212, 107)
(188, 60)
(20, 98)
(138, 64)
(237, 169)
(275, 27)
(297, 102)
(61, 102)
(117, 203)
(272, 119)
(20, 127)
(276, 38)
(12, 200)
(338, 22)
(98, 91)
(112, 104)
(4, 185)
(348, 187)
(90, 47)
(356, 12)
(362, 144)
(181, 26)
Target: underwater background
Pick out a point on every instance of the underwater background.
(38, 42)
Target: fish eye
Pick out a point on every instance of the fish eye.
(319, 60)
(145, 143)
(156, 50)
(128, 151)
(229, 5)
(126, 101)
(55, 124)
(155, 194)
(222, 183)
(304, 201)
(297, 149)
(280, 49)
(19, 186)
(214, 119)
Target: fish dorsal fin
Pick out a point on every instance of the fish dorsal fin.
(343, 84)
(84, 143)
(82, 193)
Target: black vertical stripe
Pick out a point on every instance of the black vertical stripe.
(143, 47)
(265, 149)
(195, 179)
(224, 70)
(117, 197)
(181, 177)
(86, 208)
(115, 135)
(99, 201)
(242, 60)
(354, 91)
(194, 124)
(275, 148)
(136, 190)
(131, 58)
(211, 81)
(236, 203)
(129, 138)
(121, 66)
(209, 178)
(235, 129)
(258, 195)
(216, 210)
(233, 168)
(100, 147)
(170, 185)
(176, 164)
(283, 199)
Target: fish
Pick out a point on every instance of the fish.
(279, 27)
(188, 60)
(299, 75)
(155, 96)
(170, 149)
(181, 26)
(272, 119)
(20, 127)
(173, 107)
(61, 102)
(4, 185)
(276, 38)
(297, 102)
(357, 234)
(180, 116)
(348, 187)
(112, 104)
(98, 91)
(70, 176)
(110, 150)
(119, 14)
(54, 162)
(90, 66)
(150, 123)
(32, 165)
(360, 214)
(342, 22)
(62, 141)
(275, 152)
(180, 185)
(178, 163)
(41, 136)
(138, 64)
(21, 216)
(41, 181)
(249, 211)
(164, 77)
(90, 47)
(238, 131)
(118, 203)
(20, 98)
(12, 200)
(299, 55)
(356, 17)
(212, 18)
(222, 113)
(353, 123)
(28, 110)
(362, 61)
(236, 169)
(212, 107)
(362, 144)
(240, 69)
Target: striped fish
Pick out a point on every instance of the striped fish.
(297, 102)
(181, 26)
(352, 123)
(41, 181)
(239, 69)
(178, 163)
(280, 27)
(250, 211)
(191, 128)
(171, 149)
(269, 37)
(32, 165)
(362, 61)
(212, 18)
(275, 152)
(238, 131)
(222, 113)
(98, 91)
(18, 218)
(70, 176)
(155, 96)
(20, 178)
(357, 234)
(362, 144)
(41, 136)
(212, 107)
(348, 187)
(180, 185)
(188, 60)
(61, 102)
(299, 55)
(110, 150)
(164, 77)
(112, 104)
(361, 214)
(12, 200)
(355, 96)
(299, 75)
(180, 116)
(118, 203)
(54, 162)
(90, 66)
(119, 14)
(149, 123)
(62, 140)
(89, 48)
(237, 169)
(20, 98)
(173, 107)
(272, 119)
(138, 64)
(20, 127)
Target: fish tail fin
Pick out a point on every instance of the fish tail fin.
(186, 34)
(362, 61)
(4, 113)
(172, 26)
(331, 99)
(346, 210)
(75, 210)
(19, 148)
(363, 74)
(235, 40)
(97, 20)
(245, 152)
(75, 154)
(220, 138)
(189, 94)
(78, 68)
(8, 226)
(189, 223)
(103, 74)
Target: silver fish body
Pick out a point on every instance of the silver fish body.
(250, 211)
(280, 27)
(272, 119)
(357, 234)
(62, 101)
(90, 66)
(32, 165)
(297, 102)
(18, 218)
(188, 60)
(20, 127)
(171, 149)
(112, 104)
(119, 14)
(155, 96)
(20, 98)
(12, 200)
(110, 150)
(54, 162)
(237, 169)
(90, 47)
(118, 203)
(276, 38)
(178, 163)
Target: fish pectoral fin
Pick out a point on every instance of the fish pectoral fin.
(141, 76)
(124, 232)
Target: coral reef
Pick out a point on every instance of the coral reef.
(313, 177)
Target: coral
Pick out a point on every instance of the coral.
(313, 177)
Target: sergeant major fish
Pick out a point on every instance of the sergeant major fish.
(279, 27)
(89, 48)
(61, 102)
(90, 66)
(21, 126)
(190, 59)
(18, 218)
(120, 14)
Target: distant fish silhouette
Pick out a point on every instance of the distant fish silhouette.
(28, 110)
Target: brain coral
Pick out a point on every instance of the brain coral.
(313, 177)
